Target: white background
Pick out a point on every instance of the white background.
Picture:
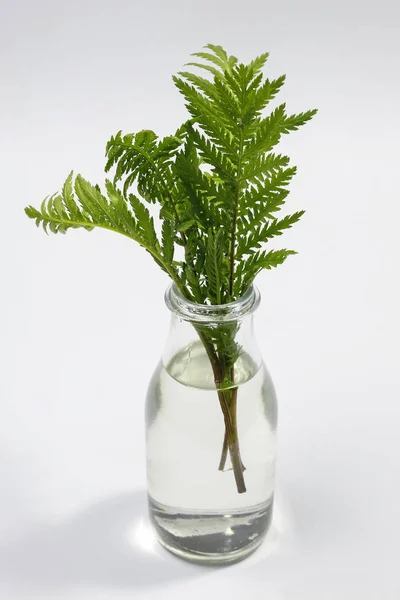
(83, 320)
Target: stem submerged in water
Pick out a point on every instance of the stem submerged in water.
(228, 402)
(224, 454)
(233, 411)
(232, 440)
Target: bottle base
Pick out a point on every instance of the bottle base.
(211, 538)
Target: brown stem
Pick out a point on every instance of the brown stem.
(224, 454)
(233, 412)
(233, 444)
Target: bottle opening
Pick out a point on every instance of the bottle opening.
(201, 313)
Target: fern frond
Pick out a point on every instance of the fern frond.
(122, 216)
(216, 123)
(249, 268)
(293, 122)
(168, 237)
(261, 209)
(266, 165)
(91, 209)
(264, 134)
(217, 183)
(144, 222)
(218, 57)
(217, 73)
(213, 264)
(214, 156)
(258, 63)
(144, 159)
(259, 235)
(262, 96)
(217, 92)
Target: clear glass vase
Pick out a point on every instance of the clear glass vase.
(211, 418)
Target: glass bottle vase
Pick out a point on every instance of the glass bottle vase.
(211, 416)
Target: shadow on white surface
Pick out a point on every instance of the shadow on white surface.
(108, 544)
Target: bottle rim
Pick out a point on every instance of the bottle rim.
(213, 313)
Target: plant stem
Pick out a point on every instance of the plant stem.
(231, 431)
(224, 453)
(233, 412)
(234, 219)
(232, 443)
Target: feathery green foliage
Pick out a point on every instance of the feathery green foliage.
(217, 182)
(218, 186)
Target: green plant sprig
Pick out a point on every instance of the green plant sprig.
(216, 181)
(218, 187)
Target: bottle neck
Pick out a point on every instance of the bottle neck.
(210, 314)
(217, 342)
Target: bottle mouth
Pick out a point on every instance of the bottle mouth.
(216, 313)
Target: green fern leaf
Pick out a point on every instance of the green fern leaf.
(257, 236)
(258, 63)
(293, 122)
(216, 182)
(168, 236)
(213, 264)
(93, 202)
(262, 96)
(144, 222)
(249, 268)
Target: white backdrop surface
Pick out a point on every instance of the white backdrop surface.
(83, 321)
